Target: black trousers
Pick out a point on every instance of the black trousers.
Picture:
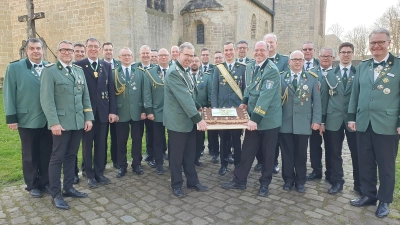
(182, 153)
(36, 146)
(377, 150)
(149, 140)
(159, 142)
(335, 139)
(136, 129)
(316, 154)
(259, 155)
(113, 145)
(200, 136)
(65, 148)
(227, 137)
(94, 148)
(252, 141)
(213, 143)
(294, 157)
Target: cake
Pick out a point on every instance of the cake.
(224, 116)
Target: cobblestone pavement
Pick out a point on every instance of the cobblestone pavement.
(147, 199)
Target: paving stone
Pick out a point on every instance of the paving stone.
(199, 221)
(128, 219)
(100, 221)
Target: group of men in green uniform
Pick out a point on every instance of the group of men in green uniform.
(290, 100)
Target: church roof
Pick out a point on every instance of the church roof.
(201, 5)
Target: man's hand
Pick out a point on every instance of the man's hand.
(88, 125)
(143, 116)
(150, 116)
(13, 126)
(315, 126)
(243, 106)
(112, 118)
(352, 126)
(200, 110)
(251, 125)
(202, 125)
(322, 129)
(56, 129)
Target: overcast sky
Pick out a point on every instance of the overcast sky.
(351, 13)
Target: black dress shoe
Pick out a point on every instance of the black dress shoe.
(160, 170)
(35, 193)
(263, 191)
(382, 210)
(313, 176)
(198, 163)
(287, 186)
(230, 159)
(178, 192)
(151, 163)
(300, 188)
(198, 187)
(121, 172)
(92, 183)
(233, 185)
(258, 167)
(222, 170)
(74, 193)
(363, 201)
(276, 169)
(215, 159)
(59, 202)
(358, 189)
(138, 170)
(103, 180)
(336, 188)
(76, 179)
(115, 165)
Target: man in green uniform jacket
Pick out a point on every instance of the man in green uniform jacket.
(65, 100)
(22, 108)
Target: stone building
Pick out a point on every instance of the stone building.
(163, 23)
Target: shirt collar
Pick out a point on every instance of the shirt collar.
(63, 64)
(260, 64)
(293, 73)
(164, 68)
(91, 61)
(41, 63)
(341, 67)
(124, 67)
(272, 56)
(311, 61)
(384, 60)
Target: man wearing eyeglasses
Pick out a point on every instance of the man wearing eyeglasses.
(326, 57)
(374, 115)
(227, 91)
(301, 115)
(218, 58)
(336, 90)
(308, 51)
(154, 105)
(99, 80)
(180, 105)
(21, 98)
(64, 97)
(241, 51)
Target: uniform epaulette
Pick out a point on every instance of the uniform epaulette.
(269, 66)
(329, 69)
(366, 59)
(14, 61)
(48, 65)
(77, 66)
(140, 68)
(313, 74)
(242, 63)
(206, 73)
(310, 68)
(282, 72)
(285, 56)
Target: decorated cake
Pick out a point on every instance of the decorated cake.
(225, 116)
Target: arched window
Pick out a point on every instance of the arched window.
(200, 33)
(253, 27)
(158, 5)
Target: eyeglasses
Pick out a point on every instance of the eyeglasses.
(307, 49)
(163, 55)
(188, 55)
(126, 55)
(66, 50)
(93, 47)
(259, 50)
(325, 56)
(297, 60)
(380, 43)
(205, 54)
(242, 48)
(346, 53)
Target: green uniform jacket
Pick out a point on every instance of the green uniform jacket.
(282, 62)
(21, 95)
(180, 108)
(246, 61)
(335, 107)
(376, 102)
(139, 64)
(222, 95)
(203, 84)
(64, 97)
(154, 93)
(210, 69)
(262, 95)
(301, 107)
(316, 64)
(129, 95)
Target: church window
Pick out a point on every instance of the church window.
(253, 27)
(200, 33)
(158, 5)
(150, 4)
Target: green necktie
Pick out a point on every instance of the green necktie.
(70, 72)
(127, 75)
(294, 82)
(344, 77)
(230, 67)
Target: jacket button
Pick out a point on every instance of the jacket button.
(294, 113)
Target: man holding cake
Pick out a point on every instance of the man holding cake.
(263, 102)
